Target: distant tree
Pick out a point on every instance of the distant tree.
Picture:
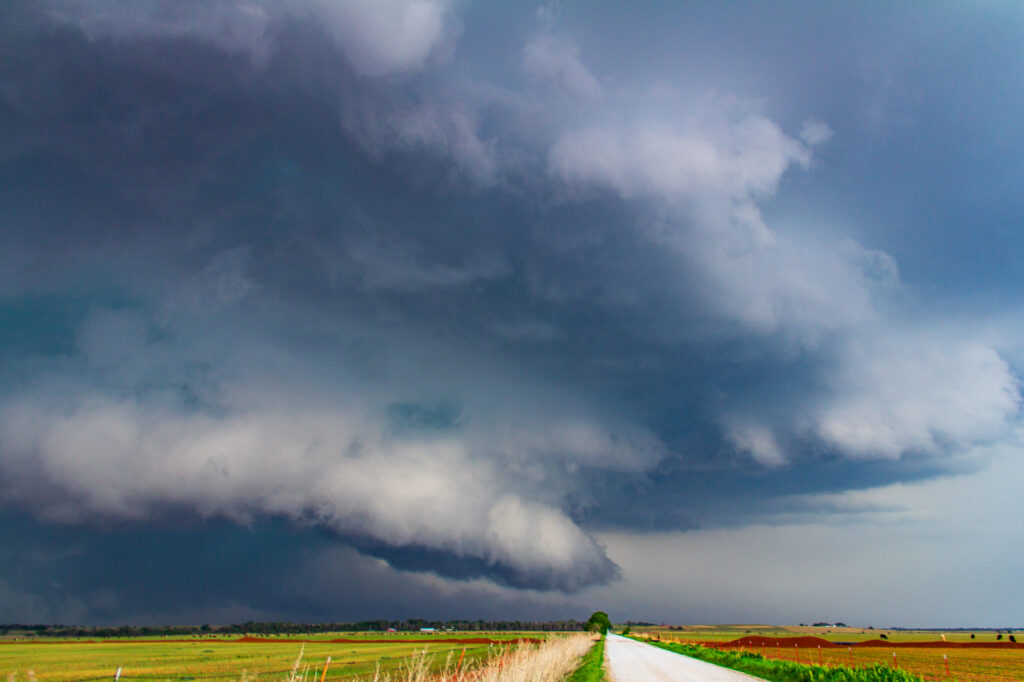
(1013, 639)
(626, 630)
(999, 636)
(884, 636)
(599, 622)
(972, 635)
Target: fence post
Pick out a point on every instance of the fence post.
(946, 661)
(326, 665)
(457, 665)
(117, 675)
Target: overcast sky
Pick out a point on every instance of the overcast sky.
(333, 310)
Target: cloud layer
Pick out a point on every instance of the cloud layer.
(457, 298)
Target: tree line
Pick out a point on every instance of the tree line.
(287, 628)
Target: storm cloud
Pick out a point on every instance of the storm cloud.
(454, 310)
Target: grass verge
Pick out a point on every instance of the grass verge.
(552, 661)
(591, 666)
(787, 671)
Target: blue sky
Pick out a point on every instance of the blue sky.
(337, 310)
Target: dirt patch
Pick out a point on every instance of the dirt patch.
(758, 642)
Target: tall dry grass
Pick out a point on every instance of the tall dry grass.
(550, 661)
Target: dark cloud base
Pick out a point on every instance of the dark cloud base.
(546, 298)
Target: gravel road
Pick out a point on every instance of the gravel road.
(631, 661)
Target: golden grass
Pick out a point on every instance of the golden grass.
(66, 661)
(550, 661)
(216, 659)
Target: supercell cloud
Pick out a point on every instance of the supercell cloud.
(465, 299)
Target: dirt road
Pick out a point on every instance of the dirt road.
(631, 661)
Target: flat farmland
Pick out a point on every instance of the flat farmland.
(725, 633)
(241, 658)
(995, 662)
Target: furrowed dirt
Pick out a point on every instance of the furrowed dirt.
(757, 642)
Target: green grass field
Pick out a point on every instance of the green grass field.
(228, 659)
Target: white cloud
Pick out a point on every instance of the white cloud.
(757, 440)
(234, 25)
(382, 37)
(441, 129)
(247, 430)
(815, 132)
(770, 284)
(113, 458)
(735, 160)
(379, 37)
(927, 390)
(887, 391)
(556, 61)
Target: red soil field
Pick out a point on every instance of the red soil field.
(813, 642)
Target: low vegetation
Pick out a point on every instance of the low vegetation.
(933, 654)
(591, 668)
(787, 671)
(525, 658)
(55, 660)
(599, 622)
(551, 661)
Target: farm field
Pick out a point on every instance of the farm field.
(234, 658)
(725, 633)
(990, 664)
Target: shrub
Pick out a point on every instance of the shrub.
(599, 622)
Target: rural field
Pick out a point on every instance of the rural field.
(985, 660)
(419, 657)
(233, 658)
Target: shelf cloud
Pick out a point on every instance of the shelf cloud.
(450, 295)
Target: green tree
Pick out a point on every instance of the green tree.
(599, 622)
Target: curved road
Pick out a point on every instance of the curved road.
(632, 661)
